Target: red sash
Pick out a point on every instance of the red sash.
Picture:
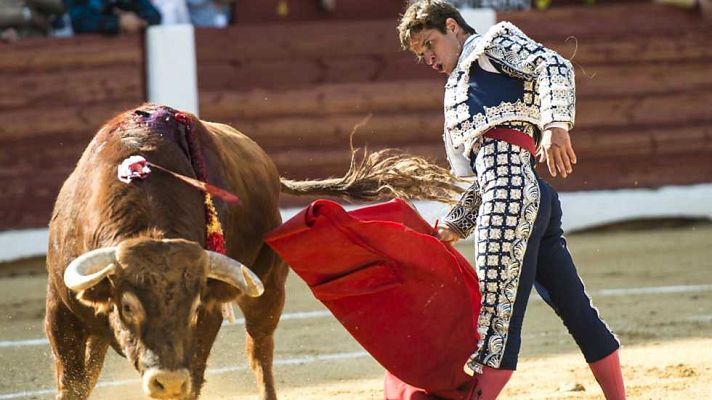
(513, 136)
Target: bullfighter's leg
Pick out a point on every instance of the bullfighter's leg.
(562, 288)
(508, 230)
(261, 318)
(69, 342)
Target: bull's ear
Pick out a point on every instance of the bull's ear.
(220, 292)
(97, 297)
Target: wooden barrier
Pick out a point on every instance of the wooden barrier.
(643, 85)
(54, 95)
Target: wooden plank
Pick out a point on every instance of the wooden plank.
(655, 142)
(609, 20)
(83, 51)
(274, 41)
(46, 89)
(631, 111)
(323, 100)
(643, 171)
(259, 74)
(304, 71)
(330, 130)
(685, 45)
(29, 198)
(643, 79)
(43, 152)
(324, 162)
(405, 67)
(85, 119)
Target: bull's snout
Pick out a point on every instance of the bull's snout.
(164, 384)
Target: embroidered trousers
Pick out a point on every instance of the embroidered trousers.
(519, 243)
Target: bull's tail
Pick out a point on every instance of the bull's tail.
(383, 175)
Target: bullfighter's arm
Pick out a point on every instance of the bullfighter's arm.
(515, 54)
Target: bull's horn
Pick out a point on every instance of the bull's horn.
(90, 268)
(227, 270)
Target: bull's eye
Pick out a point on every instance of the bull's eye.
(127, 311)
(130, 308)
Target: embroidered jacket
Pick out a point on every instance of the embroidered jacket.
(504, 77)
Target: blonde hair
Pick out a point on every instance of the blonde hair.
(428, 14)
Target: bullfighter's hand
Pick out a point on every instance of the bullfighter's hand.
(447, 235)
(558, 152)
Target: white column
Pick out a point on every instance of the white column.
(171, 72)
(479, 18)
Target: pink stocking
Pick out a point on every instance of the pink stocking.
(490, 383)
(608, 374)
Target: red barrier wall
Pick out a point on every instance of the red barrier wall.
(298, 89)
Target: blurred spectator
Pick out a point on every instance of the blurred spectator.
(209, 13)
(499, 5)
(172, 11)
(706, 7)
(328, 5)
(28, 18)
(112, 16)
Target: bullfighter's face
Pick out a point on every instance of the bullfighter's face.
(437, 49)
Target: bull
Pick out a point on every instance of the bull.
(127, 263)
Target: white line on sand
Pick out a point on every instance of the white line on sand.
(323, 313)
(213, 371)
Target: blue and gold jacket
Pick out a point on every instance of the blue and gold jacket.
(504, 78)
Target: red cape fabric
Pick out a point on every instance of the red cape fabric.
(408, 299)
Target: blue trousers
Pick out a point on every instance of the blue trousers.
(520, 244)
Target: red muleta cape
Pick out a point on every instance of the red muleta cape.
(408, 299)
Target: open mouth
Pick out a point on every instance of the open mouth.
(438, 67)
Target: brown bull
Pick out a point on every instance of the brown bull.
(127, 265)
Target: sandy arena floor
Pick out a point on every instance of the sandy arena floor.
(653, 287)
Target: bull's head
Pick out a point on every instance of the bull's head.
(155, 292)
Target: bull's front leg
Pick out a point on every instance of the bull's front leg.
(210, 322)
(78, 356)
(261, 318)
